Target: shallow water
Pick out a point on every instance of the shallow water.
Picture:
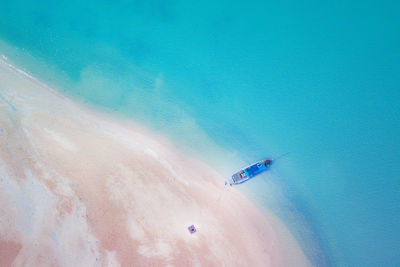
(236, 83)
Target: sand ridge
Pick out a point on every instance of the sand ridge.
(81, 188)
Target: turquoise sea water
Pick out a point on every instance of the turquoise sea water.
(238, 81)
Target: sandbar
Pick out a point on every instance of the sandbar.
(79, 187)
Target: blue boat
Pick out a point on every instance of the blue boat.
(249, 172)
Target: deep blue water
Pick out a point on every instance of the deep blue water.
(245, 80)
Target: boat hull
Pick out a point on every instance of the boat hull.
(249, 172)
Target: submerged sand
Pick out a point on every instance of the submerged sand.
(80, 188)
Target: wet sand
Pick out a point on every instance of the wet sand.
(79, 187)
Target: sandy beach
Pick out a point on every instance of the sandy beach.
(81, 188)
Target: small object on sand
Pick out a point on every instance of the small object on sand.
(192, 229)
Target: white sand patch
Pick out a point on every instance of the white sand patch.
(111, 260)
(174, 177)
(36, 213)
(161, 249)
(64, 189)
(123, 186)
(61, 140)
(30, 200)
(124, 139)
(151, 153)
(135, 230)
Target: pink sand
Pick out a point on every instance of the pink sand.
(81, 188)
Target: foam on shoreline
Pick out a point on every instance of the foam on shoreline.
(81, 188)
